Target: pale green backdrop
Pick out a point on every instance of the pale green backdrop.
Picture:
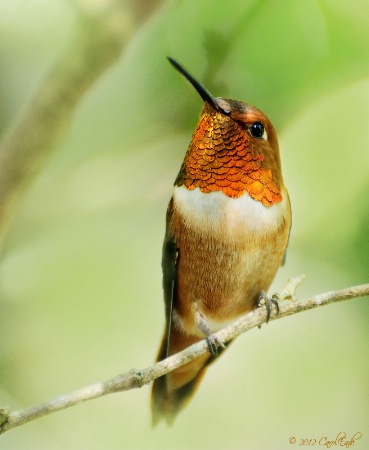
(81, 296)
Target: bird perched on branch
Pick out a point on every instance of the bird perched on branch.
(227, 230)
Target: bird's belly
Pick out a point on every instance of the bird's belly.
(229, 250)
(223, 283)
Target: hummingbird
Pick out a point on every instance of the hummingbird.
(227, 230)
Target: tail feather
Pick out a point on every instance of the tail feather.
(171, 393)
(167, 404)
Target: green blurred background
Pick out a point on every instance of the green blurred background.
(80, 277)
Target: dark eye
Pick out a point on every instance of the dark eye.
(257, 130)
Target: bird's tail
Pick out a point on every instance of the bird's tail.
(170, 393)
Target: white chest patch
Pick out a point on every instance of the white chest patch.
(216, 212)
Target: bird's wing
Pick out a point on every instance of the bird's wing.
(169, 265)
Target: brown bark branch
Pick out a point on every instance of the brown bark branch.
(137, 378)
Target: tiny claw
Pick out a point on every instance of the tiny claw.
(268, 302)
(214, 343)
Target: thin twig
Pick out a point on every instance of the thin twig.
(137, 378)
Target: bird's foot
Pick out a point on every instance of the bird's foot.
(268, 302)
(213, 342)
(288, 293)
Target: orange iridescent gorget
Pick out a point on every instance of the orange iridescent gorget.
(221, 158)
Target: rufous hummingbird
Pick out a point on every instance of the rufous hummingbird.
(227, 231)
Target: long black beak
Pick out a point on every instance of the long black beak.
(204, 93)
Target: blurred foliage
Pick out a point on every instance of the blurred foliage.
(80, 272)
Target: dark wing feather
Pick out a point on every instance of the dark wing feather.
(169, 265)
